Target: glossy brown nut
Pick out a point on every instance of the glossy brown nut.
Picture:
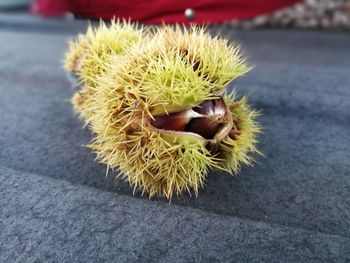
(212, 107)
(204, 119)
(219, 106)
(204, 126)
(174, 121)
(205, 108)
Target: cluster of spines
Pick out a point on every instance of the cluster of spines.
(90, 57)
(238, 148)
(122, 88)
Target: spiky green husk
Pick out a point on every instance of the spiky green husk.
(172, 70)
(238, 150)
(90, 57)
(168, 163)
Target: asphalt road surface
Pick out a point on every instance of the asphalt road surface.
(293, 206)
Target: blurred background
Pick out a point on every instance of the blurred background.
(241, 14)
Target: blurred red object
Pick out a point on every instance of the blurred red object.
(161, 11)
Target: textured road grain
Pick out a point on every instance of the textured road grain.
(293, 205)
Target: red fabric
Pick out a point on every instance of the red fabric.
(160, 11)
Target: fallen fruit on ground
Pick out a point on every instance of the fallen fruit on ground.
(157, 104)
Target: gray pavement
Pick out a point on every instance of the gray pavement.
(293, 205)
